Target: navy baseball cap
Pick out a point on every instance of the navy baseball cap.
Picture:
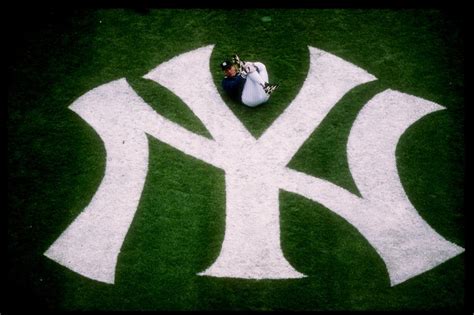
(226, 64)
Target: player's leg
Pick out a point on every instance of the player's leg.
(262, 70)
(257, 90)
(257, 78)
(253, 93)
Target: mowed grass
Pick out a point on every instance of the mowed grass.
(56, 161)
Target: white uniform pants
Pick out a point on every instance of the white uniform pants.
(253, 93)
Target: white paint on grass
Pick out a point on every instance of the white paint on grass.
(91, 244)
(384, 215)
(255, 170)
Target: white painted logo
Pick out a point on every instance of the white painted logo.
(255, 171)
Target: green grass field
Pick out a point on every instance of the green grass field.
(56, 160)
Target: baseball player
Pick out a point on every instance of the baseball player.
(247, 82)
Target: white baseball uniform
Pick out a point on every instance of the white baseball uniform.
(253, 93)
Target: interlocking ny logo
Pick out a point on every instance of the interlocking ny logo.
(255, 171)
